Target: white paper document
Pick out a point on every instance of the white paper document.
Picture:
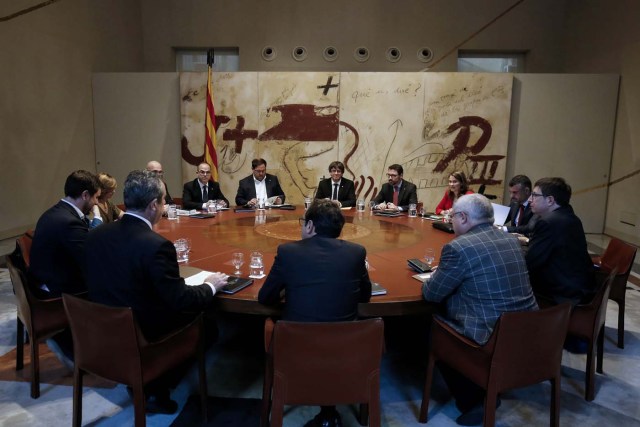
(500, 214)
(197, 279)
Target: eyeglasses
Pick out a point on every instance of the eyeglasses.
(537, 195)
(158, 172)
(204, 172)
(458, 213)
(302, 222)
(392, 175)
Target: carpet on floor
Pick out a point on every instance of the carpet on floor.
(221, 411)
(52, 371)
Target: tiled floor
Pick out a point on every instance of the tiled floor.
(235, 370)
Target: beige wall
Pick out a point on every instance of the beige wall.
(46, 114)
(604, 37)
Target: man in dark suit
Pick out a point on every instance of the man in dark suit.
(482, 274)
(58, 242)
(397, 193)
(198, 192)
(127, 264)
(520, 213)
(155, 166)
(559, 264)
(57, 250)
(323, 278)
(259, 185)
(337, 188)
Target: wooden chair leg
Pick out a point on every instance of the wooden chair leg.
(600, 350)
(363, 415)
(621, 305)
(35, 369)
(77, 397)
(426, 394)
(554, 413)
(490, 408)
(374, 408)
(590, 370)
(266, 392)
(139, 409)
(19, 344)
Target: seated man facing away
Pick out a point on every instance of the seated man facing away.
(337, 188)
(559, 264)
(57, 250)
(482, 274)
(259, 185)
(396, 194)
(127, 264)
(323, 279)
(198, 192)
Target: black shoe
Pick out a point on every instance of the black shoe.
(576, 345)
(474, 416)
(321, 420)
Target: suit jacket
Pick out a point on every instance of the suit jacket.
(521, 228)
(559, 264)
(481, 275)
(406, 195)
(129, 265)
(247, 189)
(323, 279)
(192, 194)
(57, 250)
(346, 191)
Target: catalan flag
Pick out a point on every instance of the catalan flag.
(210, 143)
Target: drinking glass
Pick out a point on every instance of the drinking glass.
(211, 206)
(261, 203)
(360, 205)
(182, 250)
(307, 203)
(237, 261)
(256, 265)
(429, 256)
(172, 212)
(413, 211)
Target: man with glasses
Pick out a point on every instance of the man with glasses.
(559, 264)
(482, 274)
(259, 185)
(338, 189)
(323, 279)
(397, 194)
(198, 192)
(156, 167)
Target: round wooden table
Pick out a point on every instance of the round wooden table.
(389, 242)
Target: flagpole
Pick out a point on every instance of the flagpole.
(210, 142)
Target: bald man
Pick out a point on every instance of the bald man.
(155, 166)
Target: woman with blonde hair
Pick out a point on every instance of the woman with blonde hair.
(108, 211)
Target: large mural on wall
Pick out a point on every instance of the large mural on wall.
(430, 123)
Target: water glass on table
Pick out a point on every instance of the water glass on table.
(307, 203)
(413, 210)
(429, 256)
(172, 212)
(360, 205)
(182, 249)
(256, 265)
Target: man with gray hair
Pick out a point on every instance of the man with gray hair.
(127, 264)
(482, 274)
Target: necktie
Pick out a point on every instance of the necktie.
(521, 215)
(395, 194)
(335, 192)
(205, 196)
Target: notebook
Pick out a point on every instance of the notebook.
(391, 214)
(418, 266)
(443, 226)
(235, 284)
(500, 214)
(202, 215)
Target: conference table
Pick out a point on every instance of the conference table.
(389, 241)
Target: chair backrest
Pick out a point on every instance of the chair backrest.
(106, 339)
(528, 346)
(24, 243)
(21, 290)
(618, 255)
(327, 363)
(587, 319)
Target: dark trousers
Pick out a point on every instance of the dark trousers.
(466, 393)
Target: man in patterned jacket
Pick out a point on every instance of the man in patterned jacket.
(482, 274)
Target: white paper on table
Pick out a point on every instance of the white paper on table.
(197, 279)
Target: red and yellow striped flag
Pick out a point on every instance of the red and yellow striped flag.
(210, 143)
